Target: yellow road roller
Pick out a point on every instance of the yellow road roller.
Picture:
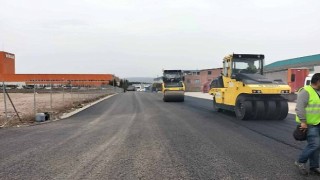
(244, 89)
(173, 87)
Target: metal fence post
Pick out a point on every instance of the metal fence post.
(71, 94)
(51, 97)
(87, 91)
(78, 91)
(62, 94)
(34, 99)
(5, 100)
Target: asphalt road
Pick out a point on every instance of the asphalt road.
(137, 136)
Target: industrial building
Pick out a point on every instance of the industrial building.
(192, 80)
(8, 74)
(206, 76)
(306, 61)
(293, 71)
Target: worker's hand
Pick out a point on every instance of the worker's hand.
(303, 126)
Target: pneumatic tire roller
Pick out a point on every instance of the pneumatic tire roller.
(244, 89)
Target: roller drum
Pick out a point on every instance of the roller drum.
(173, 96)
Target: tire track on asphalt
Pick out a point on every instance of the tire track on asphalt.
(218, 161)
(90, 162)
(272, 154)
(205, 108)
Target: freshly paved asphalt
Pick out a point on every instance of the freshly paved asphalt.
(136, 135)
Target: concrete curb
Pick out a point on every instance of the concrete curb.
(67, 115)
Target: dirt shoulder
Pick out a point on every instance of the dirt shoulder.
(56, 104)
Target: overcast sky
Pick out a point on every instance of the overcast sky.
(141, 37)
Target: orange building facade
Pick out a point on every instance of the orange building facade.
(8, 74)
(7, 63)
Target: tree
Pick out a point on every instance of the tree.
(113, 82)
(121, 84)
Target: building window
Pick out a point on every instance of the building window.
(209, 72)
(293, 77)
(198, 73)
(197, 81)
(188, 80)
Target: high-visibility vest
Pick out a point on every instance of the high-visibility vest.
(313, 107)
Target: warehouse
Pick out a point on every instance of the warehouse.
(306, 61)
(8, 74)
(206, 76)
(293, 71)
(192, 80)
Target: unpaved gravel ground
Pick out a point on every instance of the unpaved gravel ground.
(61, 102)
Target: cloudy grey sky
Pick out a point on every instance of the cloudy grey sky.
(141, 37)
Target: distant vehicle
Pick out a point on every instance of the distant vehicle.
(173, 87)
(47, 88)
(131, 88)
(156, 87)
(20, 87)
(307, 81)
(9, 86)
(148, 88)
(28, 87)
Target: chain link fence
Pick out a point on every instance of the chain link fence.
(20, 104)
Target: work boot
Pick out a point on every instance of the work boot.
(302, 168)
(315, 171)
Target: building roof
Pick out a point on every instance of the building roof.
(294, 63)
(190, 70)
(211, 69)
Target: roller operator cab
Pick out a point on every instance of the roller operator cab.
(173, 87)
(243, 88)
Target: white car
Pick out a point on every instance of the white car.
(307, 81)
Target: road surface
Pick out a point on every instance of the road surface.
(136, 135)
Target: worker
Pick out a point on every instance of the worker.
(251, 67)
(308, 115)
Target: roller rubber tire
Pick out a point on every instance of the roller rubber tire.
(271, 110)
(259, 110)
(164, 98)
(243, 110)
(215, 108)
(282, 107)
